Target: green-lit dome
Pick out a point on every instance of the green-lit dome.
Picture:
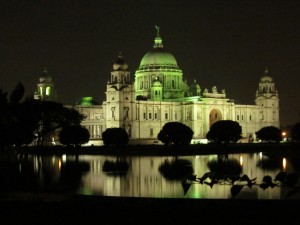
(87, 101)
(158, 57)
(158, 76)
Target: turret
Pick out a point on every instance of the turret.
(267, 99)
(45, 87)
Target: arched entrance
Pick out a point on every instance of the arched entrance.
(214, 116)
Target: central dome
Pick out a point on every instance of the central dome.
(158, 76)
(158, 57)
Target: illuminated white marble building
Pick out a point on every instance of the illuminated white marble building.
(158, 94)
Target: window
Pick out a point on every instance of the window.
(126, 109)
(173, 84)
(144, 115)
(237, 117)
(150, 116)
(155, 116)
(151, 132)
(48, 91)
(250, 117)
(166, 116)
(113, 112)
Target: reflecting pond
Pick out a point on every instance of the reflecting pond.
(243, 176)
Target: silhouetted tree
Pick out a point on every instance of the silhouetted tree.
(74, 135)
(176, 133)
(115, 136)
(22, 122)
(51, 116)
(269, 133)
(224, 131)
(296, 132)
(16, 122)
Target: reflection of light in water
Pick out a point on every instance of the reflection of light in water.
(260, 156)
(64, 158)
(284, 164)
(241, 160)
(53, 160)
(59, 164)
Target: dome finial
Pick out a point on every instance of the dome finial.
(120, 55)
(266, 70)
(45, 70)
(157, 40)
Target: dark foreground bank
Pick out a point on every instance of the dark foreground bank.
(115, 210)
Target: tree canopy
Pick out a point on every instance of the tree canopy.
(269, 133)
(16, 124)
(176, 133)
(51, 116)
(23, 122)
(296, 132)
(224, 131)
(115, 136)
(74, 135)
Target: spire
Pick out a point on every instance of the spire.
(157, 30)
(157, 40)
(120, 55)
(266, 70)
(45, 70)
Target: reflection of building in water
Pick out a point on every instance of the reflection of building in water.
(144, 179)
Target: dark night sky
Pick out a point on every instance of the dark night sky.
(224, 43)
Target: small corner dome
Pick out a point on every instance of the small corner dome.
(120, 64)
(44, 77)
(156, 83)
(266, 77)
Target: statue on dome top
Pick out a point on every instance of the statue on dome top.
(157, 30)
